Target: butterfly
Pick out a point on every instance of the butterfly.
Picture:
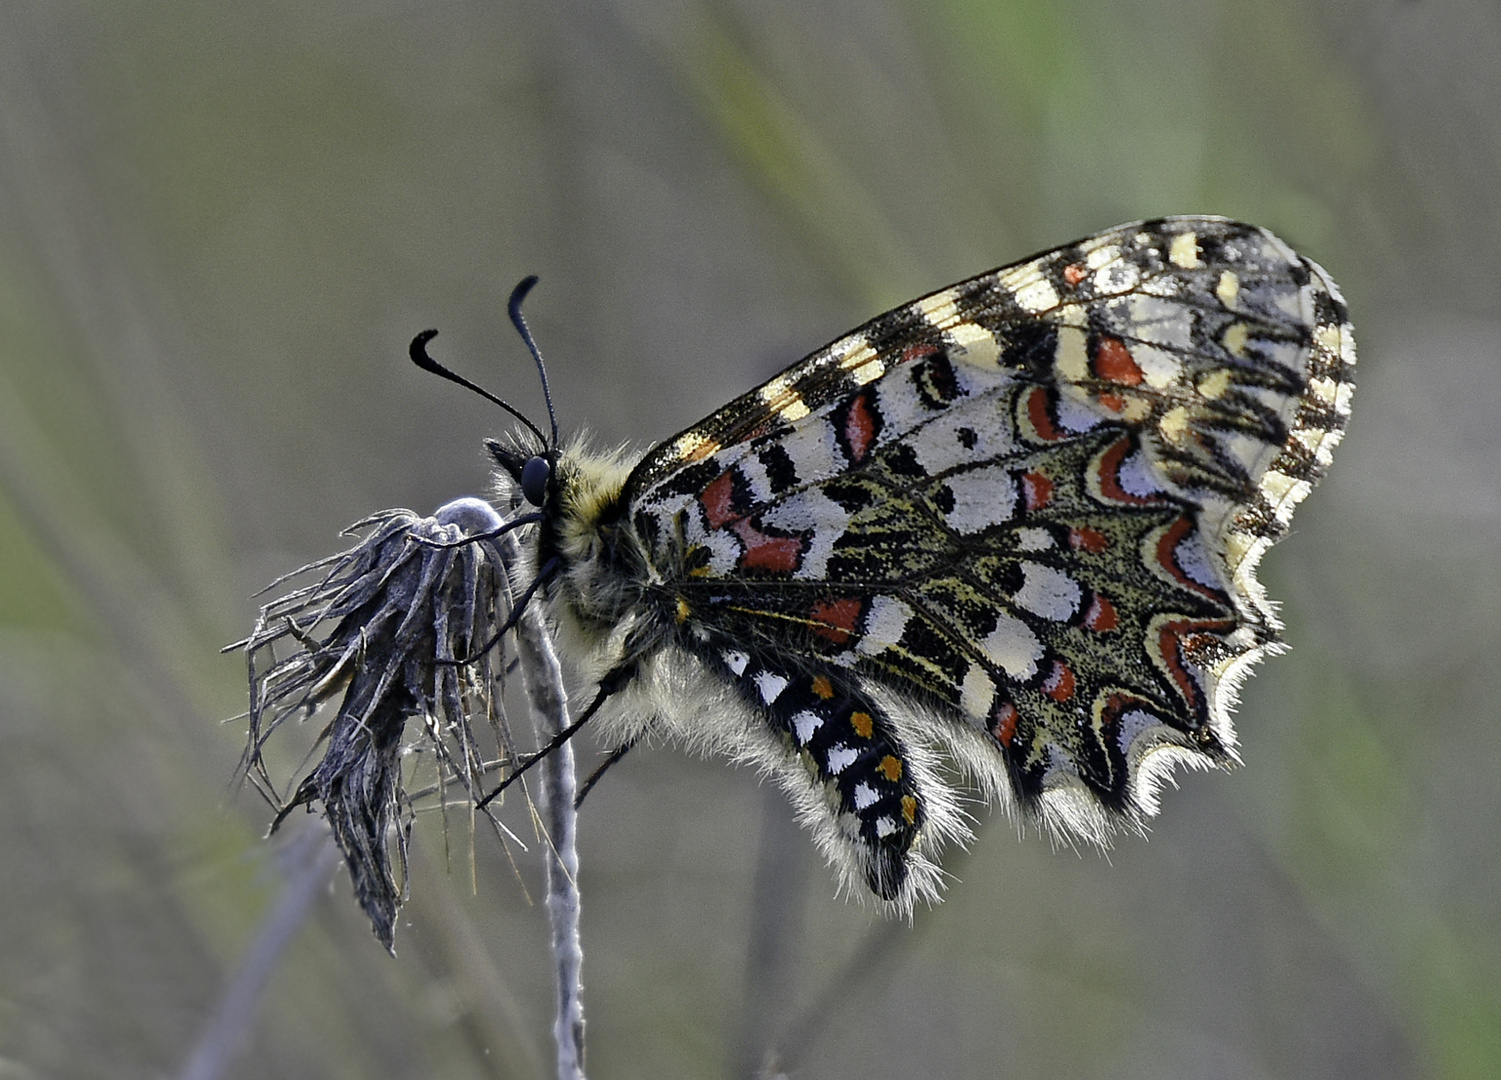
(999, 542)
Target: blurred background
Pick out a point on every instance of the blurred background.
(220, 225)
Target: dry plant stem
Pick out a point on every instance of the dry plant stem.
(543, 680)
(309, 865)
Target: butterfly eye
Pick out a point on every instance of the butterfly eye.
(534, 477)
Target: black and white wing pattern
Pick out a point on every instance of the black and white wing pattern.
(1002, 538)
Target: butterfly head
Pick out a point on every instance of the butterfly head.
(531, 470)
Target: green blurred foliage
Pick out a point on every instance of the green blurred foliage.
(219, 227)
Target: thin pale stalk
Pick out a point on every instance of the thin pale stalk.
(542, 678)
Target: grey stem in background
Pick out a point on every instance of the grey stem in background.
(309, 863)
(542, 678)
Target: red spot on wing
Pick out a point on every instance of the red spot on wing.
(1167, 557)
(1040, 413)
(835, 620)
(1114, 402)
(860, 427)
(917, 352)
(1113, 362)
(716, 500)
(1003, 723)
(1087, 539)
(1037, 489)
(1109, 473)
(1101, 615)
(1073, 273)
(773, 554)
(1060, 682)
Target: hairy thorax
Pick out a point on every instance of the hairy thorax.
(599, 594)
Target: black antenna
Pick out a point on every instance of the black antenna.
(513, 307)
(419, 356)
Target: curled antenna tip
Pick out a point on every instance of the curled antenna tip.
(419, 349)
(518, 294)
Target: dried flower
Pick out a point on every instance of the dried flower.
(399, 627)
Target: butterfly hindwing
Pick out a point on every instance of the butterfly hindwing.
(1016, 521)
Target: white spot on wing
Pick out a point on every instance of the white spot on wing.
(1075, 415)
(884, 623)
(1102, 256)
(724, 552)
(1118, 277)
(814, 454)
(1136, 476)
(1037, 295)
(1193, 560)
(974, 345)
(1184, 251)
(939, 309)
(978, 693)
(779, 396)
(983, 498)
(1070, 357)
(1034, 538)
(1047, 593)
(938, 447)
(1013, 647)
(857, 357)
(693, 446)
(1131, 724)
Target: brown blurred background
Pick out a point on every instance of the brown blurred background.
(220, 224)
